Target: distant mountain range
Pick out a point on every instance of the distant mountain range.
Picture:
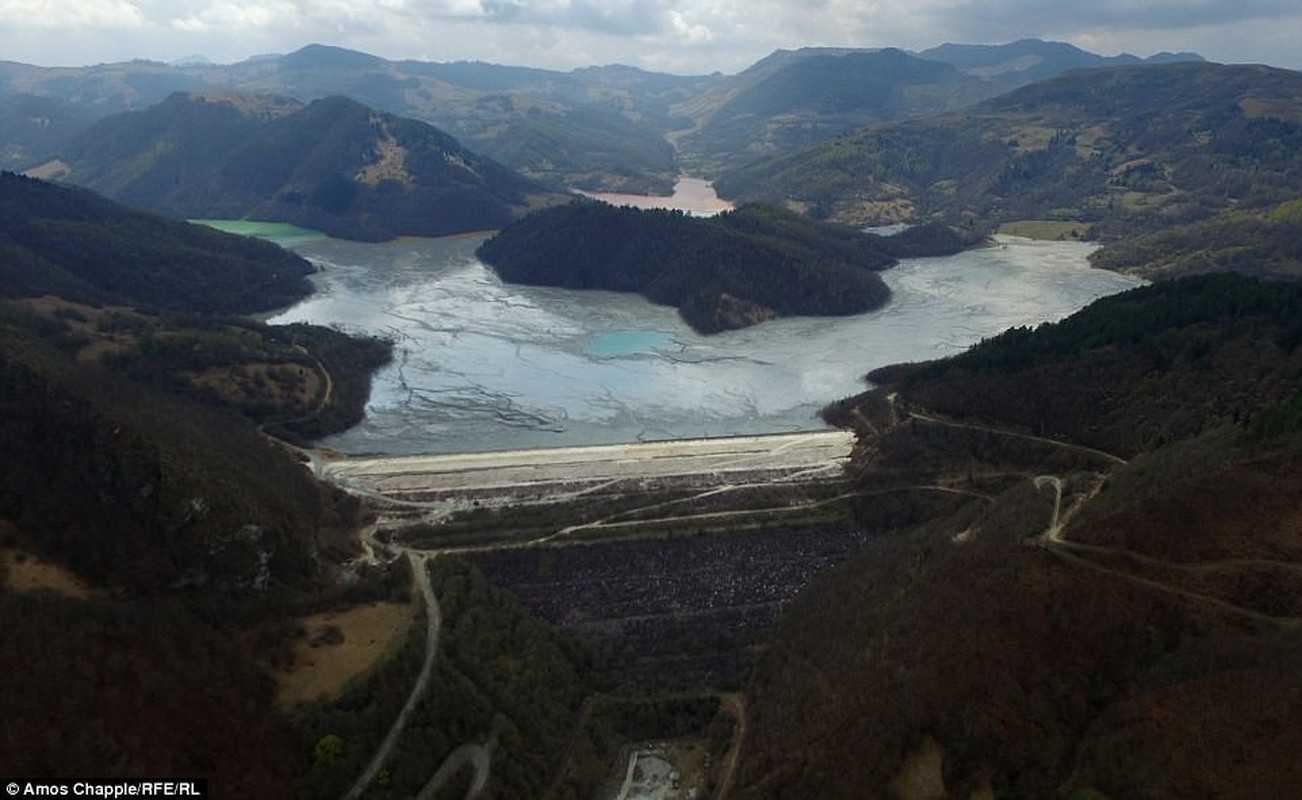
(1080, 573)
(610, 127)
(1127, 150)
(333, 165)
(1031, 60)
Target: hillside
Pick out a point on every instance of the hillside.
(1085, 582)
(598, 128)
(34, 127)
(593, 127)
(1031, 60)
(725, 272)
(1125, 150)
(793, 99)
(333, 165)
(1266, 242)
(166, 527)
(116, 313)
(73, 243)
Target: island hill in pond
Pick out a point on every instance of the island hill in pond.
(730, 271)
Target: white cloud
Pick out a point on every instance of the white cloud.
(675, 35)
(689, 32)
(235, 17)
(105, 14)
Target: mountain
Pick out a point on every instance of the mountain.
(98, 302)
(602, 123)
(34, 127)
(134, 463)
(1266, 242)
(795, 98)
(613, 127)
(1031, 60)
(1084, 582)
(1126, 150)
(333, 165)
(724, 272)
(72, 243)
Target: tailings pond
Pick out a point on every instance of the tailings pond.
(482, 365)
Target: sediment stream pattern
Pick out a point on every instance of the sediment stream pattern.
(482, 365)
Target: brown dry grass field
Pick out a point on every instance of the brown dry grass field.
(369, 633)
(25, 572)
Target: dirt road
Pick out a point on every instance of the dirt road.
(433, 621)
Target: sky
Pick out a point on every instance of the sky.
(678, 36)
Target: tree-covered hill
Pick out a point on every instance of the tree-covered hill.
(134, 457)
(729, 271)
(1030, 60)
(33, 127)
(597, 128)
(72, 243)
(125, 384)
(1128, 149)
(1085, 583)
(797, 98)
(333, 165)
(594, 126)
(1266, 242)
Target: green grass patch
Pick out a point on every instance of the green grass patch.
(1289, 213)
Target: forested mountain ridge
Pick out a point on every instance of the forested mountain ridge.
(793, 99)
(1085, 582)
(332, 165)
(595, 128)
(121, 314)
(730, 271)
(1030, 60)
(70, 242)
(1126, 150)
(133, 458)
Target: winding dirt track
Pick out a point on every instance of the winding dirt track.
(474, 754)
(580, 470)
(433, 622)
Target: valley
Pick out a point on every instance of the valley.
(462, 486)
(695, 196)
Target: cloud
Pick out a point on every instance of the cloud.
(673, 35)
(235, 17)
(973, 20)
(65, 14)
(614, 17)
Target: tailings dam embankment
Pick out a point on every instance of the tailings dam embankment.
(523, 475)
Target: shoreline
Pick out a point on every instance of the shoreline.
(695, 196)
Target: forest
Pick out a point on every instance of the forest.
(1129, 152)
(70, 242)
(730, 271)
(1097, 599)
(333, 165)
(133, 456)
(1071, 568)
